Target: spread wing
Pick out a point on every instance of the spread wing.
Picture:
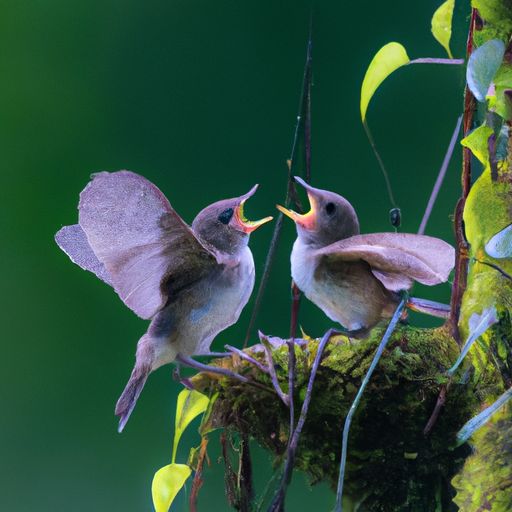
(148, 251)
(72, 240)
(397, 259)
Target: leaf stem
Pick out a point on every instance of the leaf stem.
(433, 60)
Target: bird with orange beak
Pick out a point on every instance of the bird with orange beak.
(192, 282)
(356, 279)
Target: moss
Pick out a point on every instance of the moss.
(387, 428)
(497, 15)
(485, 481)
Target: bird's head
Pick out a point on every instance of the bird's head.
(223, 224)
(331, 217)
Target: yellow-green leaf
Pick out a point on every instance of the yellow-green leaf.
(167, 482)
(389, 58)
(442, 25)
(478, 142)
(189, 405)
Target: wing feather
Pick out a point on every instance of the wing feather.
(144, 245)
(73, 241)
(397, 259)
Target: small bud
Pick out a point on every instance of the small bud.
(395, 217)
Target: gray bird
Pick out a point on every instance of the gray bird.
(192, 282)
(356, 279)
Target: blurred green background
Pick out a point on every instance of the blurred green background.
(200, 97)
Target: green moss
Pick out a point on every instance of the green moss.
(488, 210)
(497, 15)
(485, 481)
(387, 428)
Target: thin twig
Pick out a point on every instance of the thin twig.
(277, 504)
(205, 368)
(380, 349)
(272, 371)
(289, 192)
(381, 164)
(441, 399)
(247, 357)
(440, 177)
(291, 382)
(197, 483)
(495, 267)
(294, 315)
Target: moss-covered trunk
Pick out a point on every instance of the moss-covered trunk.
(393, 464)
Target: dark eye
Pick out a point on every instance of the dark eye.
(226, 215)
(330, 208)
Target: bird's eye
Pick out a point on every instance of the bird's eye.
(330, 208)
(226, 215)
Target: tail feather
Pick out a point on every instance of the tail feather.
(129, 396)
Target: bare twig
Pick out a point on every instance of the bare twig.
(217, 370)
(441, 399)
(277, 504)
(381, 164)
(197, 483)
(495, 267)
(440, 177)
(289, 193)
(247, 357)
(291, 382)
(380, 349)
(272, 371)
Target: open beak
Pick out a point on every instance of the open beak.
(306, 220)
(248, 226)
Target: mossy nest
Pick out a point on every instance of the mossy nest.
(386, 436)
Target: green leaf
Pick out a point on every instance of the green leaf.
(502, 83)
(442, 25)
(500, 245)
(167, 482)
(388, 59)
(189, 405)
(478, 142)
(483, 64)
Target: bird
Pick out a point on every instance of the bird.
(357, 279)
(192, 282)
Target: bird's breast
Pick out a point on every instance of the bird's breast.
(347, 292)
